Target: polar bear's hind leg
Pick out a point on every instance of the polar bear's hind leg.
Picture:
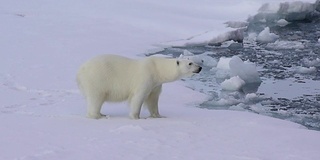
(94, 106)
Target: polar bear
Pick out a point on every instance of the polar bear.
(113, 78)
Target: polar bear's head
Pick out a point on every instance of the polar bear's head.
(166, 70)
(187, 68)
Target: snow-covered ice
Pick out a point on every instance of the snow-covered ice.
(42, 114)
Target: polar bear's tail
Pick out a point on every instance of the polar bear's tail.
(79, 84)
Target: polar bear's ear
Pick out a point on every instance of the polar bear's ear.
(178, 62)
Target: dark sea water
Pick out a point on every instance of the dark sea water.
(284, 93)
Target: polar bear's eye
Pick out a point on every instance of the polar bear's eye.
(190, 64)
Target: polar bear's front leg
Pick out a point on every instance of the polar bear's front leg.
(152, 102)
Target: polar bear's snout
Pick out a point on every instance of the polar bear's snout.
(198, 70)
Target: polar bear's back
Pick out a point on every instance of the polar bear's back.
(110, 75)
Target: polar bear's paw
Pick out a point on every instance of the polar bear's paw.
(98, 116)
(156, 116)
(134, 116)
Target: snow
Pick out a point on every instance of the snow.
(42, 114)
(266, 37)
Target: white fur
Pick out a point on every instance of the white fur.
(114, 78)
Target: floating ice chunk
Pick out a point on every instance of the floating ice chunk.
(266, 37)
(227, 43)
(282, 22)
(209, 61)
(305, 70)
(226, 102)
(252, 36)
(224, 63)
(258, 108)
(246, 72)
(319, 40)
(251, 96)
(278, 45)
(221, 73)
(233, 84)
(311, 63)
(238, 107)
(236, 67)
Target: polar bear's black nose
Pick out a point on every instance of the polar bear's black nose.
(199, 69)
